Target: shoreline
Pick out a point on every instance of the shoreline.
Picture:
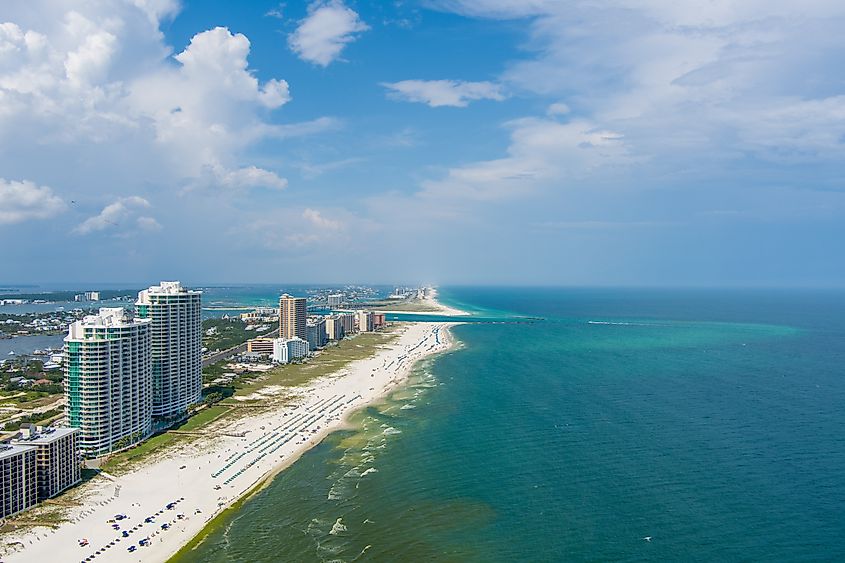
(264, 444)
(431, 301)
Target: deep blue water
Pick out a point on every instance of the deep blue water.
(710, 421)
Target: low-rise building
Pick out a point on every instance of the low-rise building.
(57, 458)
(378, 320)
(261, 345)
(18, 479)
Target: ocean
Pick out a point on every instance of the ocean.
(585, 425)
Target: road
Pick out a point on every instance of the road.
(222, 355)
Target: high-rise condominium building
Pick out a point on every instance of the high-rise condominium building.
(334, 327)
(18, 481)
(293, 316)
(316, 330)
(108, 378)
(56, 458)
(347, 319)
(365, 321)
(176, 346)
(335, 300)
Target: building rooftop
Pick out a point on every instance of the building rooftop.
(167, 288)
(11, 450)
(42, 435)
(108, 317)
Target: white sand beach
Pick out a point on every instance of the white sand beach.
(171, 498)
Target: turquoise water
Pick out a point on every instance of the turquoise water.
(710, 421)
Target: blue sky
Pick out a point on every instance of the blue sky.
(449, 141)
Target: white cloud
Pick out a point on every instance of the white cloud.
(318, 220)
(662, 93)
(541, 152)
(119, 215)
(23, 200)
(438, 93)
(96, 78)
(148, 224)
(248, 177)
(325, 31)
(558, 108)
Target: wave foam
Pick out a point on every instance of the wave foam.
(338, 527)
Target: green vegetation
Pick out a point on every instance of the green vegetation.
(222, 334)
(203, 417)
(39, 418)
(332, 359)
(126, 459)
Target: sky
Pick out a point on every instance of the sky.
(518, 142)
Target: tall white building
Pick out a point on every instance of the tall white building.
(108, 379)
(176, 346)
(285, 350)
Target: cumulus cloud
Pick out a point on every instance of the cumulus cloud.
(24, 200)
(123, 214)
(97, 78)
(438, 93)
(327, 29)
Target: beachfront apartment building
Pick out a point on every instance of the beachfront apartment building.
(335, 300)
(293, 317)
(347, 320)
(334, 327)
(108, 381)
(18, 479)
(365, 321)
(56, 458)
(176, 336)
(285, 350)
(316, 332)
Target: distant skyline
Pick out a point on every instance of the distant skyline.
(519, 142)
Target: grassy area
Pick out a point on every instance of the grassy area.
(203, 417)
(332, 359)
(227, 333)
(124, 460)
